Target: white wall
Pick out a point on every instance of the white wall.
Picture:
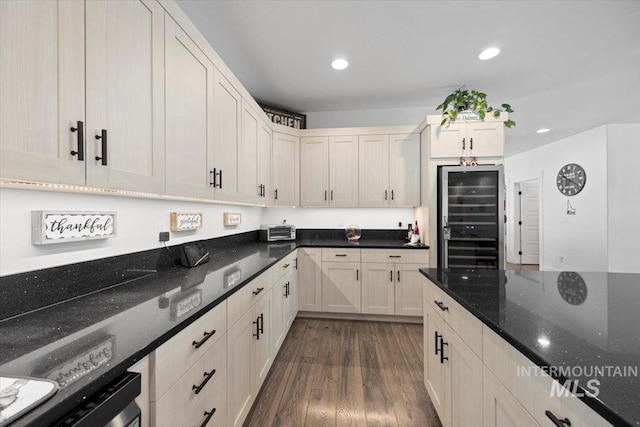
(568, 242)
(138, 223)
(381, 218)
(624, 197)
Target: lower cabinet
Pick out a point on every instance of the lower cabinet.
(392, 289)
(500, 408)
(341, 287)
(434, 372)
(309, 283)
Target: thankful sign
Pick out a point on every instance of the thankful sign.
(181, 221)
(65, 226)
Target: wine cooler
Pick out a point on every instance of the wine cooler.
(471, 217)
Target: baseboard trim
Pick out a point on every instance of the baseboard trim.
(360, 316)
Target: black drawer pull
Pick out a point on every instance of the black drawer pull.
(391, 276)
(463, 145)
(103, 137)
(398, 275)
(442, 344)
(437, 337)
(208, 415)
(471, 143)
(207, 335)
(357, 274)
(325, 194)
(207, 377)
(341, 254)
(286, 266)
(556, 421)
(257, 323)
(212, 182)
(80, 129)
(441, 305)
(391, 194)
(395, 256)
(276, 194)
(385, 194)
(257, 291)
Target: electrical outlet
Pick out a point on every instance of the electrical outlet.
(163, 236)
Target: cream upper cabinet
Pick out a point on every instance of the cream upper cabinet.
(264, 161)
(343, 171)
(309, 279)
(125, 95)
(285, 173)
(189, 100)
(223, 157)
(314, 164)
(373, 170)
(42, 90)
(249, 189)
(469, 139)
(404, 170)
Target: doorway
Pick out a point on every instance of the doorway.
(527, 225)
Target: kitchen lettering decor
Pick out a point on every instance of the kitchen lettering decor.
(183, 221)
(69, 226)
(285, 118)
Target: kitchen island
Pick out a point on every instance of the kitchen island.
(581, 328)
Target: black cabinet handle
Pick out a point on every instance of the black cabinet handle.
(276, 194)
(257, 291)
(261, 323)
(207, 376)
(385, 194)
(264, 190)
(80, 129)
(286, 266)
(212, 181)
(295, 263)
(556, 421)
(391, 276)
(257, 323)
(437, 337)
(398, 275)
(331, 194)
(207, 335)
(463, 144)
(285, 290)
(441, 305)
(341, 255)
(220, 174)
(442, 356)
(391, 194)
(471, 143)
(208, 415)
(103, 137)
(357, 274)
(325, 194)
(395, 256)
(259, 190)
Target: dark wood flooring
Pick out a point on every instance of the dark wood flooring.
(346, 373)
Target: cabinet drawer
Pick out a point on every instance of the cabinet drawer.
(340, 255)
(214, 399)
(178, 354)
(281, 267)
(531, 387)
(459, 319)
(240, 302)
(396, 256)
(180, 401)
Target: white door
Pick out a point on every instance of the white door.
(290, 303)
(248, 170)
(373, 171)
(343, 171)
(262, 343)
(341, 287)
(408, 291)
(42, 90)
(314, 171)
(189, 97)
(125, 95)
(378, 289)
(404, 170)
(284, 170)
(530, 221)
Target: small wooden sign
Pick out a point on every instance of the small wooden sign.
(182, 221)
(67, 226)
(232, 218)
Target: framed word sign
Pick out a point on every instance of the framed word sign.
(232, 218)
(182, 221)
(285, 118)
(67, 226)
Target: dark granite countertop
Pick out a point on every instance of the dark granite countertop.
(569, 320)
(122, 322)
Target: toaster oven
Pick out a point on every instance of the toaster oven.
(272, 233)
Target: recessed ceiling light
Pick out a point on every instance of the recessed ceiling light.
(543, 130)
(492, 52)
(340, 64)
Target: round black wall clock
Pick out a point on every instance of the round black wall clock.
(572, 287)
(571, 179)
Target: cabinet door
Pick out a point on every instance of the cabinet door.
(309, 279)
(448, 141)
(404, 170)
(240, 362)
(463, 387)
(248, 187)
(277, 316)
(378, 288)
(125, 95)
(485, 139)
(264, 160)
(314, 180)
(343, 171)
(500, 408)
(189, 97)
(341, 287)
(434, 372)
(408, 291)
(284, 170)
(373, 170)
(290, 306)
(227, 113)
(42, 93)
(262, 344)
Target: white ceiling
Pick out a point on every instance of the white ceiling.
(565, 65)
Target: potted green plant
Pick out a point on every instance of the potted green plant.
(471, 101)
